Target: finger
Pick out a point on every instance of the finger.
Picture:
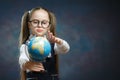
(53, 38)
(37, 69)
(48, 34)
(50, 37)
(38, 65)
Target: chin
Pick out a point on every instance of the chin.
(40, 34)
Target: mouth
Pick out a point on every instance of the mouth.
(39, 30)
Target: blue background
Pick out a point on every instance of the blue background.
(90, 27)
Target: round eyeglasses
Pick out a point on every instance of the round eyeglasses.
(44, 23)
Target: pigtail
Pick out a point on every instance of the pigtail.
(24, 34)
(24, 28)
(52, 23)
(22, 75)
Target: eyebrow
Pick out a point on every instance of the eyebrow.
(39, 20)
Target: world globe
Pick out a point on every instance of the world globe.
(39, 48)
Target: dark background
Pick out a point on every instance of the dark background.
(90, 27)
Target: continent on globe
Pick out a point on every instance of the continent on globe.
(39, 48)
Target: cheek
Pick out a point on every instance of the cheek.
(45, 31)
(32, 30)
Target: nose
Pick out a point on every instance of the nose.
(39, 24)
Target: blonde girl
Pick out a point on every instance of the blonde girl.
(40, 22)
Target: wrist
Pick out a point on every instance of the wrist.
(59, 41)
(24, 66)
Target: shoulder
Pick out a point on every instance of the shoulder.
(22, 46)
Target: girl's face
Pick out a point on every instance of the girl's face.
(39, 22)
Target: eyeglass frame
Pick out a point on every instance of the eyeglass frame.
(38, 22)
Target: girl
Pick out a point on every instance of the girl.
(40, 22)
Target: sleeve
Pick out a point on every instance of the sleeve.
(23, 58)
(63, 48)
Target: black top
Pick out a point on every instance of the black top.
(50, 63)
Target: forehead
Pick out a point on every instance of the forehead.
(40, 15)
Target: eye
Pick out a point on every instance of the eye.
(35, 22)
(44, 22)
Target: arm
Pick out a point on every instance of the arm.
(23, 58)
(25, 63)
(62, 48)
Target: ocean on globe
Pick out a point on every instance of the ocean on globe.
(39, 48)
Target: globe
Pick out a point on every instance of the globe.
(39, 48)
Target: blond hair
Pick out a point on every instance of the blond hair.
(25, 32)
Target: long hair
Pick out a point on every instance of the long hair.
(25, 32)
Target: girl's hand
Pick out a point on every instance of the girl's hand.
(53, 39)
(34, 66)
